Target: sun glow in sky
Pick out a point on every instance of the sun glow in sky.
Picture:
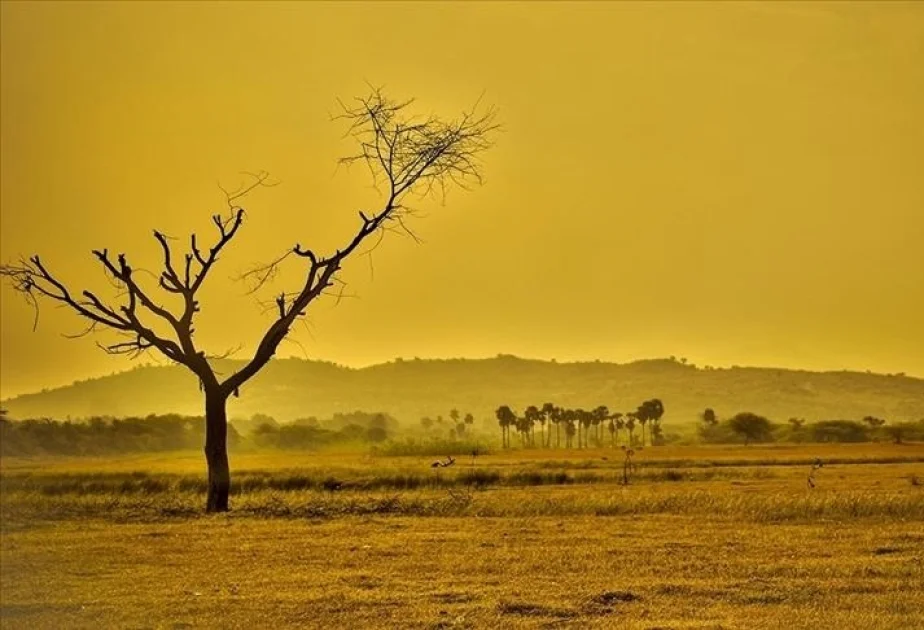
(735, 183)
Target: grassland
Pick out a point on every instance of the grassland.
(702, 537)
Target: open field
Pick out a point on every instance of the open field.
(702, 537)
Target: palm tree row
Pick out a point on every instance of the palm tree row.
(586, 426)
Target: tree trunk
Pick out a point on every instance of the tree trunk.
(216, 452)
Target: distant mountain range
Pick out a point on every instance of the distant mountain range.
(409, 389)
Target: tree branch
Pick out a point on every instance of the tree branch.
(31, 278)
(412, 156)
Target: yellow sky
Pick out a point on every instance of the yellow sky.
(735, 183)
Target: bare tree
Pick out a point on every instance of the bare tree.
(408, 156)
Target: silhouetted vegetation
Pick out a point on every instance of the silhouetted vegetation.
(582, 429)
(751, 427)
(589, 427)
(99, 436)
(103, 436)
(748, 427)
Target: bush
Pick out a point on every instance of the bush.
(100, 436)
(839, 431)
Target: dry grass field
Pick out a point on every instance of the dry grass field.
(701, 537)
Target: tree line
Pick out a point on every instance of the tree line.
(585, 427)
(173, 432)
(748, 427)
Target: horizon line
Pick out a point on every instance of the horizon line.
(682, 361)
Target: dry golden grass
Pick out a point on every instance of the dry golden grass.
(724, 537)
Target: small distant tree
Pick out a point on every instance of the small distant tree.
(839, 431)
(797, 432)
(258, 419)
(600, 414)
(376, 434)
(531, 416)
(650, 412)
(505, 419)
(426, 422)
(641, 415)
(657, 434)
(544, 425)
(630, 427)
(751, 427)
(522, 426)
(709, 417)
(620, 423)
(587, 421)
(454, 415)
(655, 414)
(582, 420)
(897, 432)
(570, 429)
(553, 413)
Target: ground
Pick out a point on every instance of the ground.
(700, 538)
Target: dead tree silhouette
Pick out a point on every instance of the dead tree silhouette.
(408, 157)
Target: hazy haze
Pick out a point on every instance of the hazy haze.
(733, 183)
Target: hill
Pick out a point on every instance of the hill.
(408, 389)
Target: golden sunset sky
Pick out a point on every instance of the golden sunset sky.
(734, 183)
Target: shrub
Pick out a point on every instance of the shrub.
(751, 427)
(839, 431)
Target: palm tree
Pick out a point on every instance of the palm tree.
(579, 421)
(641, 414)
(619, 423)
(505, 418)
(557, 419)
(601, 413)
(469, 419)
(454, 414)
(655, 413)
(532, 415)
(587, 420)
(611, 426)
(630, 426)
(524, 426)
(569, 428)
(541, 418)
(548, 412)
(709, 416)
